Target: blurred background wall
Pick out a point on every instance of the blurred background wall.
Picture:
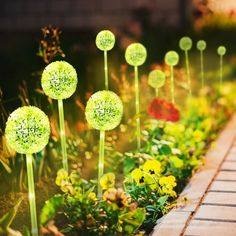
(158, 24)
(80, 14)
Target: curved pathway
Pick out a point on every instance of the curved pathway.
(207, 206)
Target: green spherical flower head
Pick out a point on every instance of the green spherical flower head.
(185, 43)
(104, 110)
(27, 130)
(221, 50)
(172, 58)
(135, 54)
(105, 40)
(59, 80)
(201, 45)
(156, 78)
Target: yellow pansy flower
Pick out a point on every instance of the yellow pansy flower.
(152, 167)
(107, 181)
(167, 184)
(207, 124)
(168, 180)
(174, 129)
(92, 196)
(138, 176)
(62, 176)
(151, 181)
(198, 135)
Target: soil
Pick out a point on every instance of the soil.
(44, 190)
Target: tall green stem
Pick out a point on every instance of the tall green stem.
(31, 194)
(188, 72)
(62, 135)
(221, 70)
(138, 125)
(101, 160)
(202, 68)
(172, 84)
(157, 92)
(106, 70)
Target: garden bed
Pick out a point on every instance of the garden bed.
(142, 166)
(178, 219)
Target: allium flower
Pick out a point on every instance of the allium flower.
(201, 45)
(107, 181)
(163, 110)
(221, 50)
(59, 80)
(171, 58)
(105, 40)
(135, 54)
(156, 78)
(104, 110)
(185, 43)
(27, 130)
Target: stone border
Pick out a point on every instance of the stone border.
(175, 222)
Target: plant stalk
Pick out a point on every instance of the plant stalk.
(106, 70)
(221, 70)
(31, 194)
(172, 84)
(101, 160)
(62, 135)
(202, 68)
(157, 92)
(138, 125)
(188, 72)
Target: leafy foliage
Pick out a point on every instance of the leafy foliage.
(7, 219)
(84, 214)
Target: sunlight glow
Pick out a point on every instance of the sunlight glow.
(226, 6)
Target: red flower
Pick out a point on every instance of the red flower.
(163, 110)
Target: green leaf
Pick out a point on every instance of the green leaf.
(151, 208)
(133, 219)
(165, 150)
(26, 231)
(50, 208)
(7, 168)
(162, 200)
(129, 164)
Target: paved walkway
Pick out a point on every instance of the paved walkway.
(211, 194)
(216, 214)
